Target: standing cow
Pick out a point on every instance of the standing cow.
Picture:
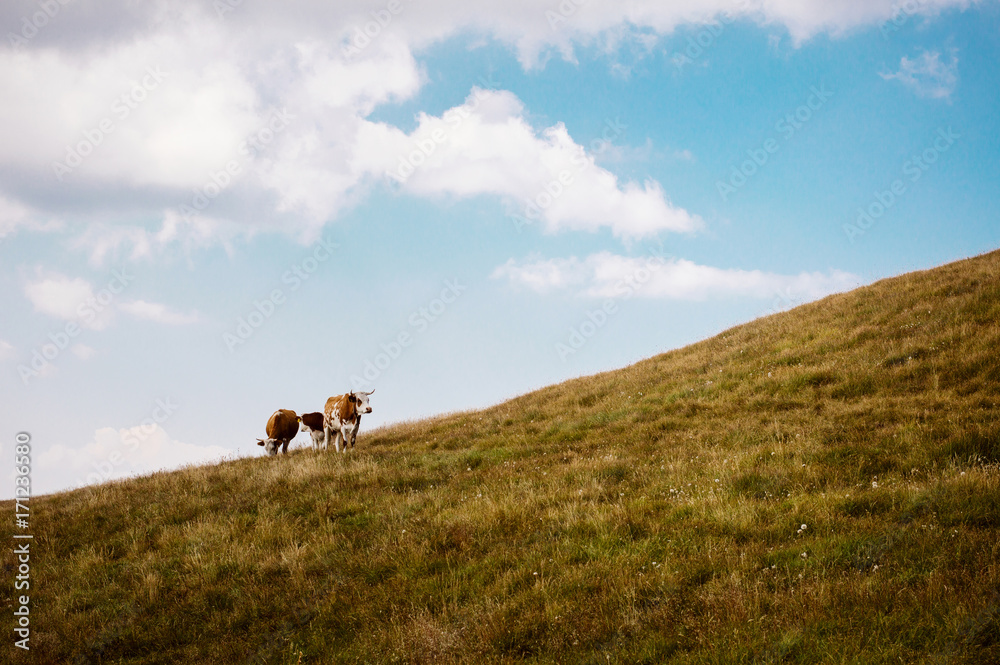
(282, 427)
(342, 418)
(313, 423)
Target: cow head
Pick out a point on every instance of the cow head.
(360, 401)
(270, 446)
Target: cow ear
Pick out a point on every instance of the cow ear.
(351, 398)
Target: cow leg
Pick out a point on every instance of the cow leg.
(354, 432)
(326, 438)
(284, 448)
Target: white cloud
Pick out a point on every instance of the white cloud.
(486, 146)
(68, 298)
(119, 453)
(7, 350)
(607, 275)
(104, 242)
(538, 29)
(82, 351)
(218, 81)
(312, 171)
(927, 74)
(163, 110)
(209, 101)
(74, 299)
(157, 312)
(535, 29)
(14, 215)
(331, 81)
(543, 275)
(120, 242)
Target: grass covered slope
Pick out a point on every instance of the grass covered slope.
(820, 485)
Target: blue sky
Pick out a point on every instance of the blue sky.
(236, 208)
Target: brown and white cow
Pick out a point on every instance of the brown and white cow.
(342, 418)
(313, 423)
(281, 428)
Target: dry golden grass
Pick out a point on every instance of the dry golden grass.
(647, 515)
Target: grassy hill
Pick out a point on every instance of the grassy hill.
(821, 485)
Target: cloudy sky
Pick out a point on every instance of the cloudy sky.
(209, 211)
